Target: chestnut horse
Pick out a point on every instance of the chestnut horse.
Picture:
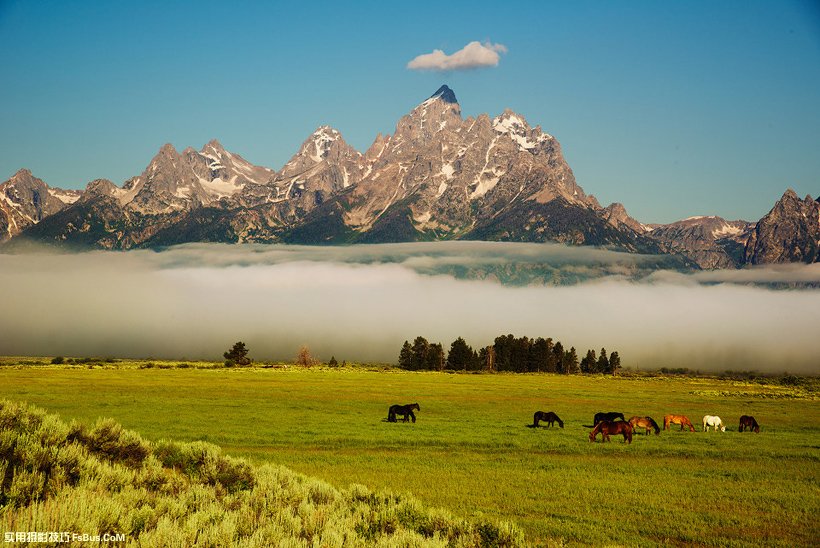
(612, 427)
(677, 419)
(748, 422)
(547, 417)
(644, 422)
(713, 421)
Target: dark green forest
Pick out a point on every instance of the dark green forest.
(507, 353)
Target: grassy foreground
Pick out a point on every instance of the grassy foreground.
(108, 482)
(470, 452)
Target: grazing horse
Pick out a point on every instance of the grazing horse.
(406, 410)
(607, 417)
(749, 422)
(547, 417)
(677, 419)
(644, 422)
(612, 427)
(713, 421)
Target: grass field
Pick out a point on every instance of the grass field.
(470, 452)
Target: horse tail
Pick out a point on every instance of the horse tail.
(654, 425)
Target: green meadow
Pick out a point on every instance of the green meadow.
(470, 452)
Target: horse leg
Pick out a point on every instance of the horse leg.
(412, 415)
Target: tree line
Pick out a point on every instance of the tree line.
(507, 353)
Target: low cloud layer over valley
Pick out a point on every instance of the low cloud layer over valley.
(360, 303)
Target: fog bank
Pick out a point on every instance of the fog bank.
(360, 303)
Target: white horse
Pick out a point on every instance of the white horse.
(714, 422)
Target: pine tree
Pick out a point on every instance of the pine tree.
(238, 354)
(571, 362)
(558, 353)
(420, 349)
(435, 357)
(406, 356)
(333, 362)
(461, 356)
(589, 363)
(614, 363)
(539, 355)
(603, 362)
(551, 366)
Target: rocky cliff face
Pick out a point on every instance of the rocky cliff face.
(711, 242)
(790, 232)
(25, 200)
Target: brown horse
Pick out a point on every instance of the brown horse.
(677, 419)
(547, 417)
(645, 422)
(612, 427)
(749, 422)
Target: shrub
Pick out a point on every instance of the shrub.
(58, 360)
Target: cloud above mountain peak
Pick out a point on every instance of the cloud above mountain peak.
(473, 55)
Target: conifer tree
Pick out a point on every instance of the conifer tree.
(589, 363)
(614, 363)
(238, 354)
(406, 356)
(420, 349)
(435, 357)
(603, 362)
(571, 362)
(461, 356)
(558, 353)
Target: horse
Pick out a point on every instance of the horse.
(677, 419)
(547, 417)
(644, 422)
(749, 422)
(406, 410)
(607, 417)
(612, 427)
(713, 421)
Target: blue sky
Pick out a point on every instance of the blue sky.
(674, 109)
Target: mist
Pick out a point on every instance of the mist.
(361, 303)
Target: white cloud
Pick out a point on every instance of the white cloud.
(473, 55)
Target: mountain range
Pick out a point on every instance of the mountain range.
(439, 176)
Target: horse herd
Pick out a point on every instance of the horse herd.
(605, 424)
(615, 423)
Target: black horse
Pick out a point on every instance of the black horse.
(547, 417)
(405, 410)
(607, 417)
(750, 423)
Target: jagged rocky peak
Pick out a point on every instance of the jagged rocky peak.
(514, 125)
(445, 94)
(25, 200)
(324, 144)
(615, 214)
(441, 104)
(790, 232)
(99, 187)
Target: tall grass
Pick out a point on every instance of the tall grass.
(107, 480)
